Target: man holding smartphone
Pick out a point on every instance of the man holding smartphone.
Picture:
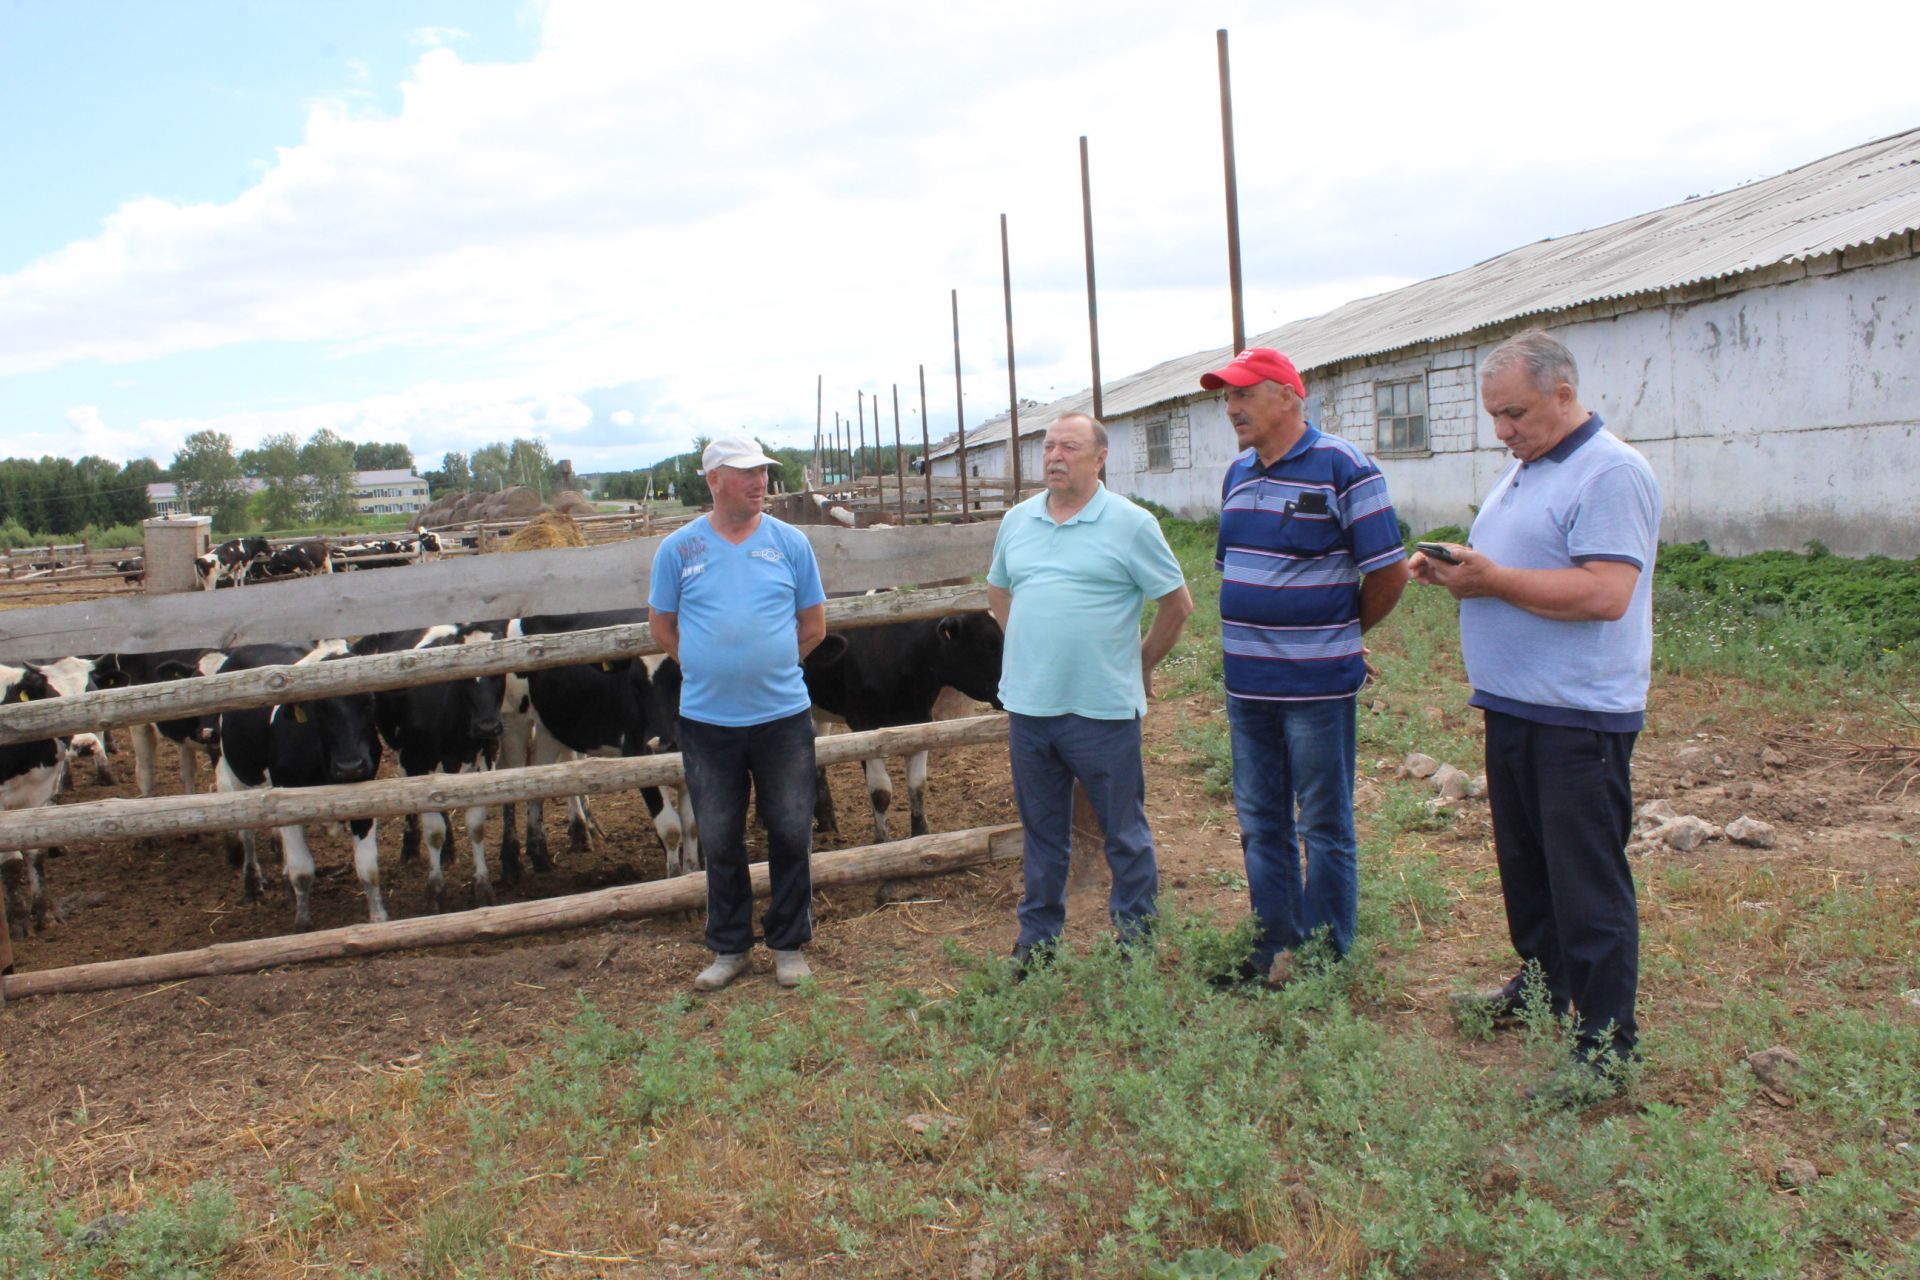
(1310, 557)
(1556, 626)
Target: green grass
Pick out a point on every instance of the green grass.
(1116, 1117)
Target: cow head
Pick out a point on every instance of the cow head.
(347, 735)
(970, 645)
(25, 684)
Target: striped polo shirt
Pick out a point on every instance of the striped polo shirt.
(1295, 540)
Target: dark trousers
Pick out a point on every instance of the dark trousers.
(1562, 802)
(778, 758)
(1048, 753)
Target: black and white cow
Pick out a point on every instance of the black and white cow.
(892, 675)
(230, 562)
(614, 708)
(450, 727)
(30, 774)
(71, 677)
(298, 560)
(194, 735)
(305, 744)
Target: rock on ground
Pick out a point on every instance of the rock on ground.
(1775, 1068)
(1750, 831)
(1419, 765)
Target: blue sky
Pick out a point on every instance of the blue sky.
(615, 226)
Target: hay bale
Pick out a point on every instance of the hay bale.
(516, 503)
(574, 503)
(546, 530)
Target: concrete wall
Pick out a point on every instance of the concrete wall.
(1772, 416)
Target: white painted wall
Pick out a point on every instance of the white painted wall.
(1771, 416)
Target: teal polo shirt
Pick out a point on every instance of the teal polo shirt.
(1073, 634)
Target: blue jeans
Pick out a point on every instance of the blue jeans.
(778, 757)
(1048, 754)
(1288, 758)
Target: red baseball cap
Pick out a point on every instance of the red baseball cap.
(1256, 364)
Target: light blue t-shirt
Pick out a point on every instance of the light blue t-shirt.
(1592, 497)
(1073, 634)
(739, 651)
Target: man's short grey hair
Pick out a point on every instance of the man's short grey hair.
(1547, 361)
(1099, 428)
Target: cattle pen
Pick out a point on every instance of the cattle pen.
(898, 564)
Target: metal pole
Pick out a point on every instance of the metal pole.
(1013, 396)
(860, 406)
(819, 385)
(959, 411)
(926, 444)
(899, 461)
(836, 439)
(1093, 308)
(1233, 195)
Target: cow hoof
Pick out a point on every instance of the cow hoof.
(509, 870)
(436, 897)
(578, 840)
(482, 894)
(537, 854)
(920, 827)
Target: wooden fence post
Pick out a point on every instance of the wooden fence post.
(1087, 844)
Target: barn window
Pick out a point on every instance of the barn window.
(1400, 410)
(1159, 436)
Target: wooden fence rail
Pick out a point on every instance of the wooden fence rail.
(272, 686)
(918, 856)
(463, 589)
(433, 793)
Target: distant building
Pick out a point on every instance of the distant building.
(375, 493)
(1758, 346)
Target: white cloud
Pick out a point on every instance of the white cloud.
(730, 218)
(621, 417)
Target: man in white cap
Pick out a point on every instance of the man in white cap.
(735, 598)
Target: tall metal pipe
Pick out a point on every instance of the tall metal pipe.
(926, 444)
(960, 411)
(899, 459)
(1233, 194)
(1013, 395)
(819, 391)
(1093, 306)
(860, 405)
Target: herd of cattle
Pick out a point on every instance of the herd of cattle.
(238, 561)
(870, 678)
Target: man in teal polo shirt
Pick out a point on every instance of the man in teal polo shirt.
(1071, 570)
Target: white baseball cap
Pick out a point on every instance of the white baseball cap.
(735, 451)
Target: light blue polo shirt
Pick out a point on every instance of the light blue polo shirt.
(739, 651)
(1591, 497)
(1073, 634)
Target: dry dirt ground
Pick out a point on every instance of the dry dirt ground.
(218, 1076)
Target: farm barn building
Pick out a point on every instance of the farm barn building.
(1761, 347)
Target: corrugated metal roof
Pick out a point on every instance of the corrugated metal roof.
(1843, 201)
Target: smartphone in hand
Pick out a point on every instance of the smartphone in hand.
(1437, 551)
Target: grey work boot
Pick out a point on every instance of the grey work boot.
(723, 970)
(790, 968)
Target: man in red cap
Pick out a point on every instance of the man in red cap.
(1310, 556)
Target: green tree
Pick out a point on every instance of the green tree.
(279, 464)
(129, 503)
(327, 462)
(490, 467)
(210, 480)
(382, 457)
(529, 464)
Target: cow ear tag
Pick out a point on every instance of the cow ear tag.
(606, 666)
(299, 713)
(23, 695)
